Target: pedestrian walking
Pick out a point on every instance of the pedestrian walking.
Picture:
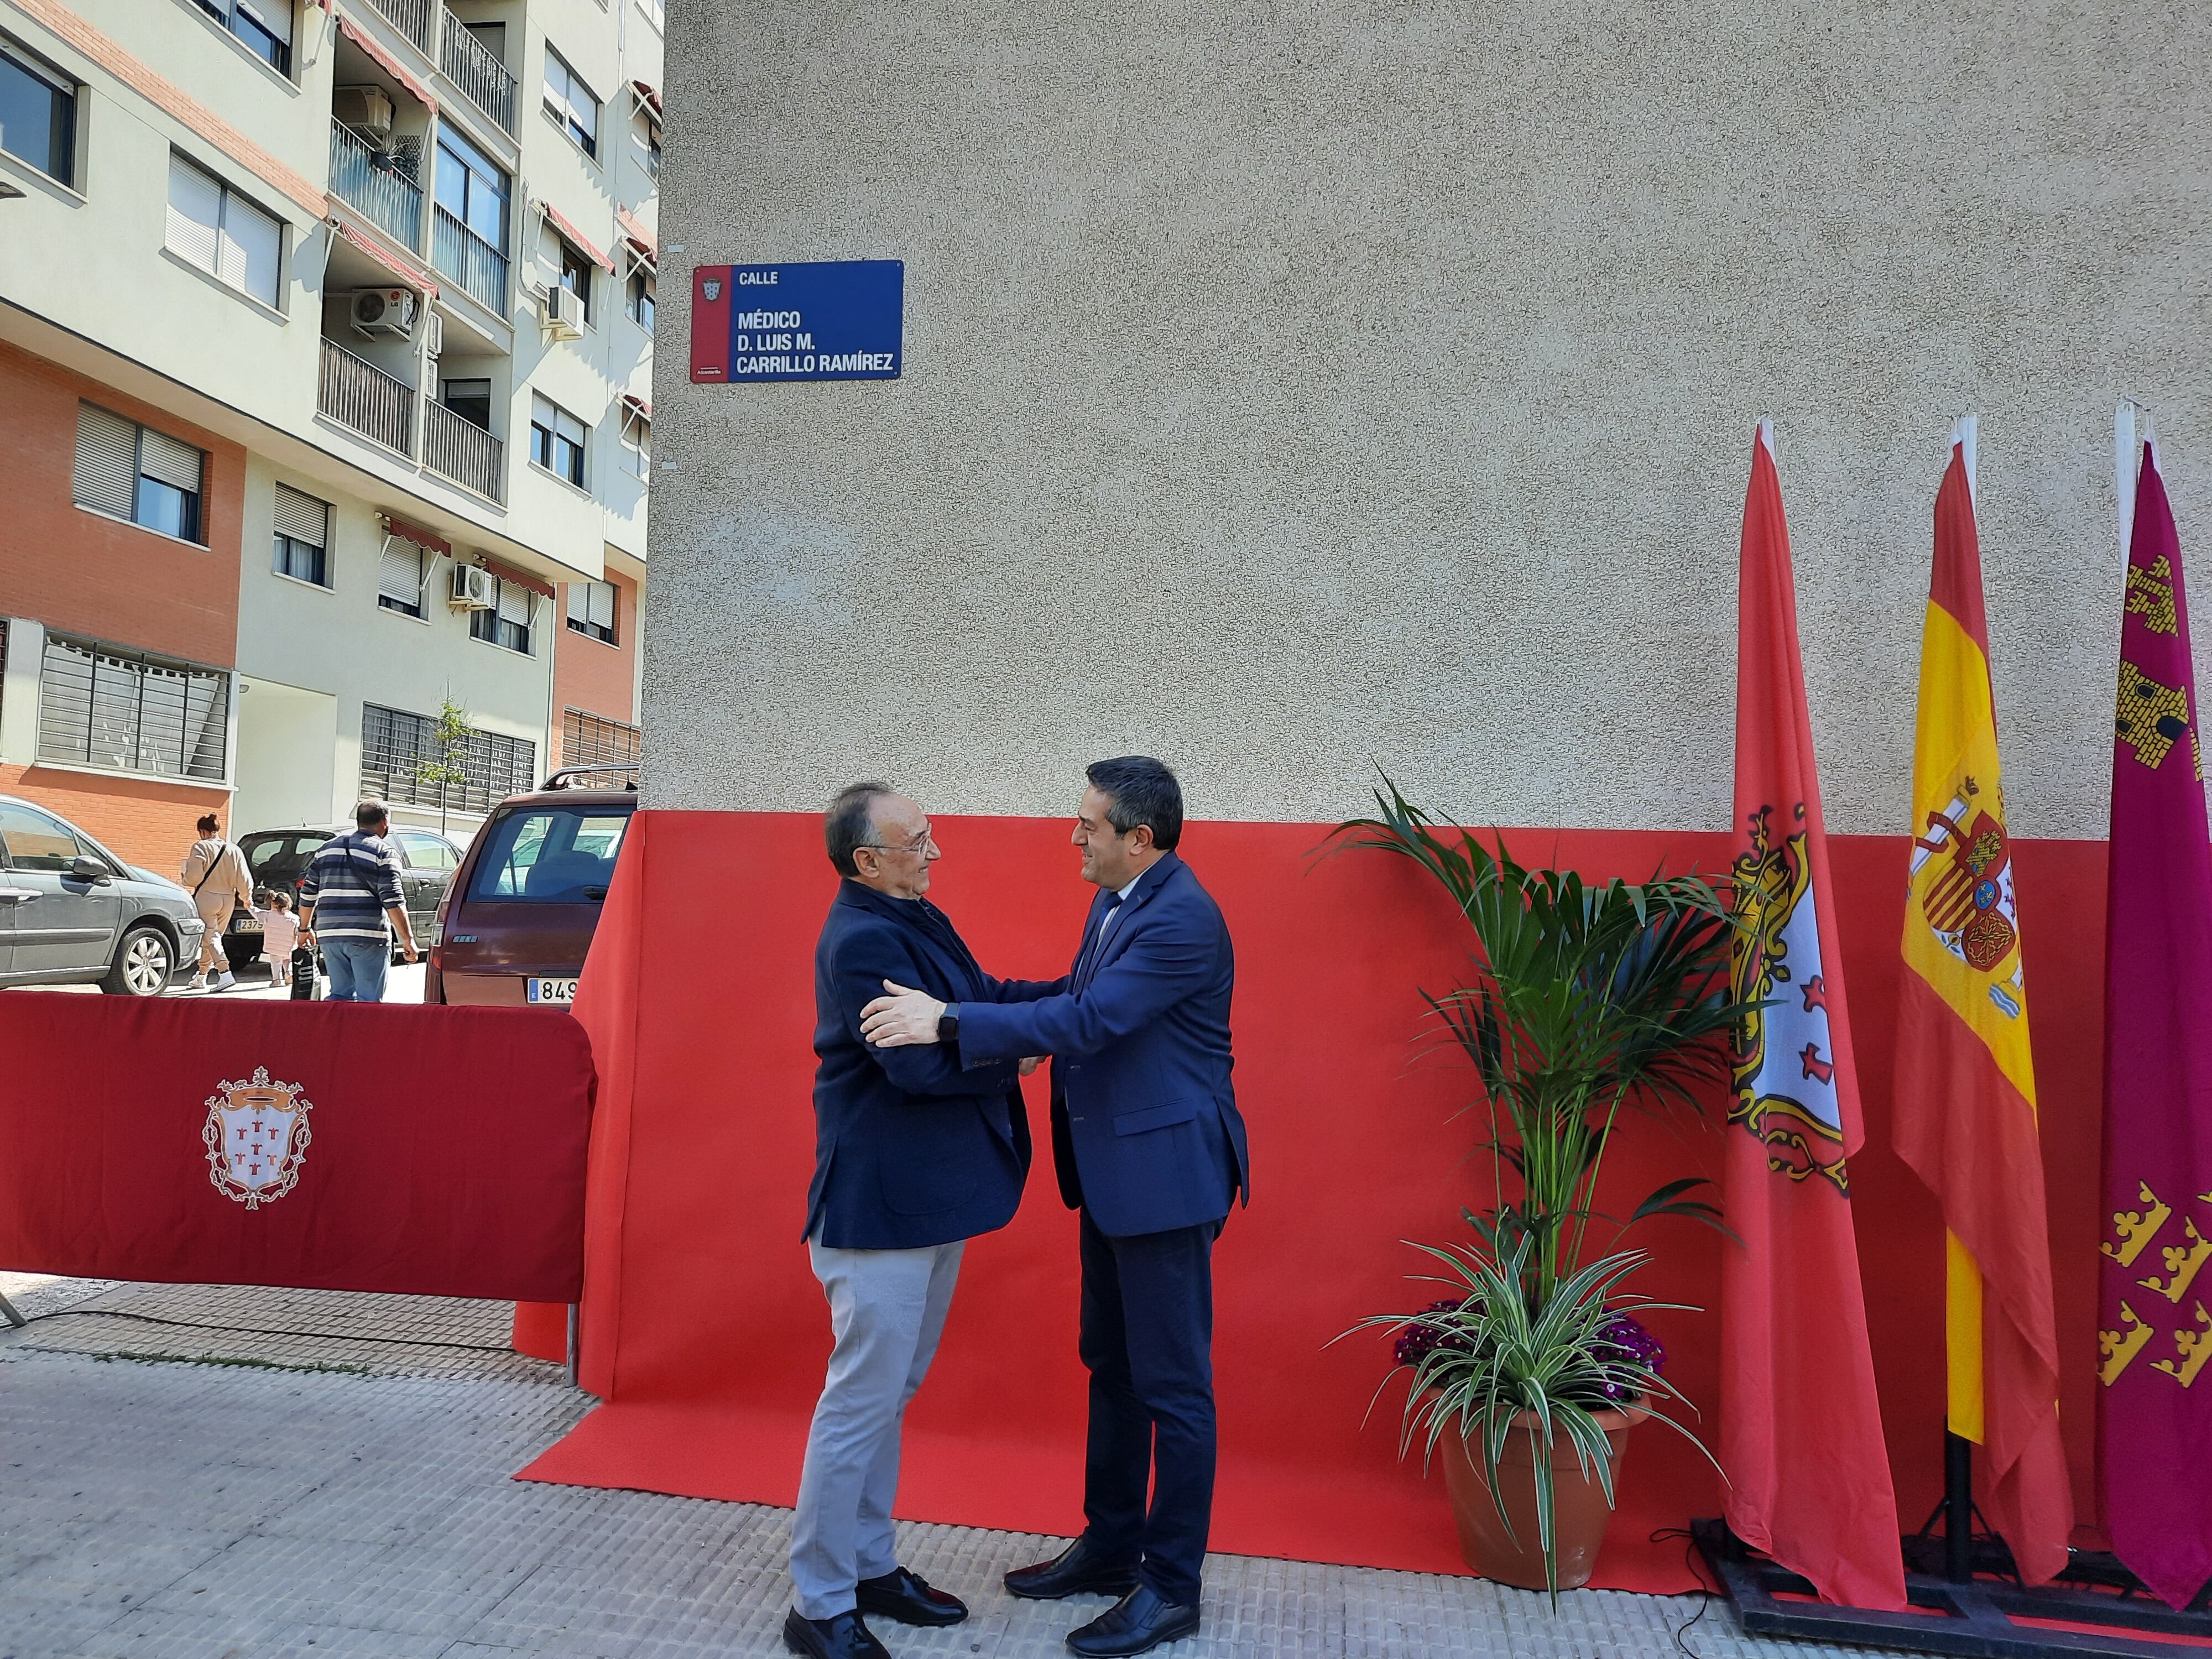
(351, 889)
(280, 932)
(215, 875)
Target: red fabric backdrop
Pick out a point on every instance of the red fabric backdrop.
(707, 1335)
(446, 1155)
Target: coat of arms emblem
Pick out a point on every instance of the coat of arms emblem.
(712, 288)
(256, 1136)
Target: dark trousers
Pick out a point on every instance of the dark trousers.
(1147, 1338)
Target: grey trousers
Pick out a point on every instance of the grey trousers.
(887, 1309)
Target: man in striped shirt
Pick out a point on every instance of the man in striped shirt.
(352, 884)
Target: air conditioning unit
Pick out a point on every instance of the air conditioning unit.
(366, 109)
(562, 311)
(474, 589)
(434, 330)
(384, 311)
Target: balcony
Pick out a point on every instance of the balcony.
(363, 397)
(471, 66)
(364, 179)
(415, 19)
(458, 449)
(459, 252)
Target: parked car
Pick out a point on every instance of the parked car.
(278, 858)
(72, 913)
(520, 916)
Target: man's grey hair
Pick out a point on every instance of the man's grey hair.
(370, 813)
(849, 825)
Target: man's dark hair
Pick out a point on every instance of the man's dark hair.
(369, 814)
(209, 824)
(1142, 791)
(847, 827)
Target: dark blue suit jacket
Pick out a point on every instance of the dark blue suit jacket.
(1146, 1132)
(911, 1146)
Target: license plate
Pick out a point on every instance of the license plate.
(562, 991)
(243, 925)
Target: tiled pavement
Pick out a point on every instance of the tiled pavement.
(178, 1503)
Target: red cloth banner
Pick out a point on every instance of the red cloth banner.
(2154, 1335)
(1800, 1434)
(433, 1152)
(707, 1335)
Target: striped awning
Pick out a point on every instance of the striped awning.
(391, 65)
(575, 238)
(412, 275)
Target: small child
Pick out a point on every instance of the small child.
(280, 932)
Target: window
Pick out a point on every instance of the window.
(265, 26)
(592, 610)
(570, 103)
(556, 439)
(424, 851)
(213, 228)
(471, 190)
(133, 472)
(38, 114)
(565, 267)
(653, 151)
(303, 537)
(507, 623)
(657, 11)
(32, 841)
(595, 740)
(401, 578)
(641, 292)
(395, 745)
(130, 711)
(637, 446)
(470, 399)
(551, 855)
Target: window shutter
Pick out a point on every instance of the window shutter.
(579, 602)
(399, 573)
(107, 461)
(195, 213)
(514, 605)
(603, 604)
(275, 15)
(164, 460)
(302, 517)
(250, 249)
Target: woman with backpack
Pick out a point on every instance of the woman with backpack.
(215, 875)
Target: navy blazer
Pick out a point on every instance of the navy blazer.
(1146, 1134)
(911, 1146)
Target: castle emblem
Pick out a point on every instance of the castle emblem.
(256, 1136)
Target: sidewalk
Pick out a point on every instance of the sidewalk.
(172, 1491)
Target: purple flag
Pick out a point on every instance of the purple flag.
(2154, 1336)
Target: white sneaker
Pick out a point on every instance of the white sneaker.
(229, 982)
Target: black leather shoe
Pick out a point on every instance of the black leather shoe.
(845, 1637)
(909, 1598)
(1076, 1570)
(1137, 1623)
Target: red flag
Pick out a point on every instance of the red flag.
(1800, 1435)
(1966, 1081)
(2154, 1424)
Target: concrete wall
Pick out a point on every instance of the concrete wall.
(1292, 387)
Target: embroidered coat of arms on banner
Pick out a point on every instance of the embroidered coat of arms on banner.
(256, 1135)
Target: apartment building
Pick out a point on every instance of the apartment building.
(325, 352)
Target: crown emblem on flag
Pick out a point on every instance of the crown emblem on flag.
(256, 1136)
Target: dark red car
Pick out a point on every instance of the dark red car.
(519, 913)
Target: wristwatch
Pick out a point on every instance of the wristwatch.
(948, 1023)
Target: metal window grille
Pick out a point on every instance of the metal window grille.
(131, 712)
(595, 740)
(397, 748)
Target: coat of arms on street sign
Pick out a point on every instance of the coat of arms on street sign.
(712, 288)
(256, 1136)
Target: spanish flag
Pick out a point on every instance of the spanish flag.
(1965, 1083)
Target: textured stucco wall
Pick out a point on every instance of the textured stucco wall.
(1290, 385)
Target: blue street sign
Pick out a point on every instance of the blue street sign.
(833, 319)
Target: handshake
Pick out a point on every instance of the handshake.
(905, 1016)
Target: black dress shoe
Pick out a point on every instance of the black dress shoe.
(845, 1637)
(1076, 1570)
(909, 1598)
(1137, 1623)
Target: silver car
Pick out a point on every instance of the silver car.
(72, 913)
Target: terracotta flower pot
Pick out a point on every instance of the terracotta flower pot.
(1579, 1509)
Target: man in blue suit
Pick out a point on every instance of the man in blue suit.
(917, 1149)
(1150, 1148)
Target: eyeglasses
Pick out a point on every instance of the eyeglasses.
(928, 840)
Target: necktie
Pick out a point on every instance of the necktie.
(1089, 965)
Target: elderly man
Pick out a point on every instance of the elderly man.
(917, 1149)
(1149, 1147)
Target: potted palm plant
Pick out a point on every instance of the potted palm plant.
(1588, 1001)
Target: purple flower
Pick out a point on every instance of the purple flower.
(1423, 1337)
(1624, 1341)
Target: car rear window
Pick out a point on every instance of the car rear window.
(280, 861)
(550, 855)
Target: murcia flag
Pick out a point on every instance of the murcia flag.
(1800, 1435)
(2154, 1336)
(1966, 1085)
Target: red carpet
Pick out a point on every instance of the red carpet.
(706, 1333)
